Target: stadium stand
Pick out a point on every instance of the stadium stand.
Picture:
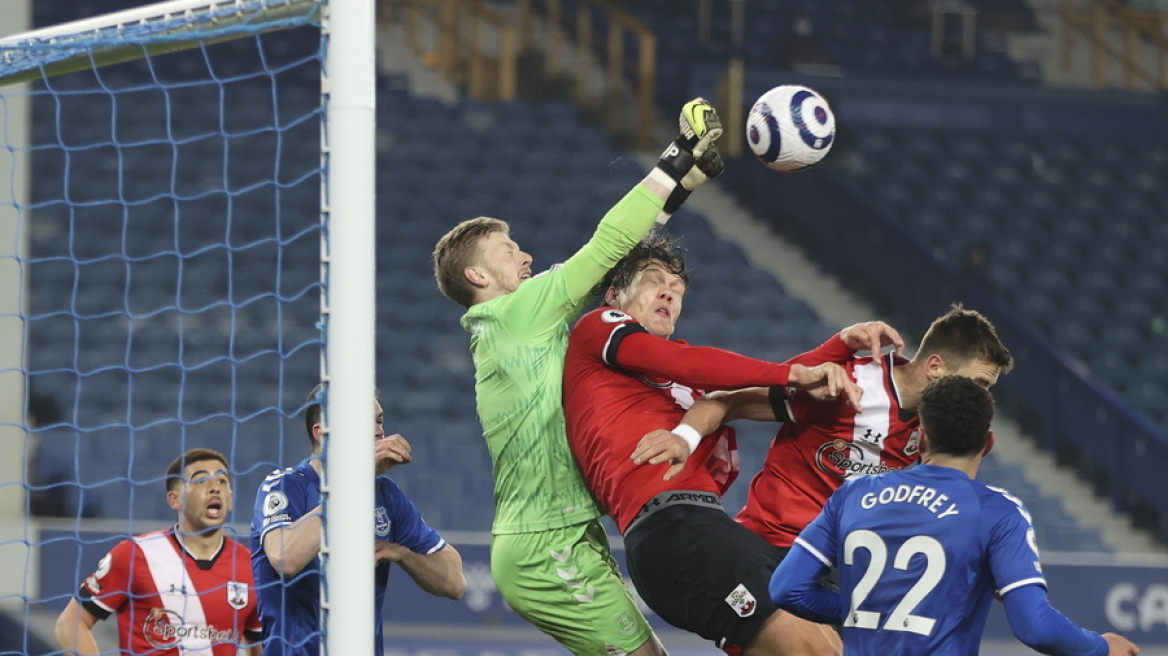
(1062, 231)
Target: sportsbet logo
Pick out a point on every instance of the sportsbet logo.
(165, 628)
(835, 458)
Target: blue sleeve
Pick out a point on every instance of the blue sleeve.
(1042, 628)
(408, 528)
(795, 587)
(1011, 543)
(281, 500)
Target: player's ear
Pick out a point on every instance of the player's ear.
(923, 442)
(989, 445)
(475, 276)
(610, 296)
(174, 500)
(935, 366)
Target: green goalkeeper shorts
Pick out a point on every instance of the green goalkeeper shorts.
(566, 583)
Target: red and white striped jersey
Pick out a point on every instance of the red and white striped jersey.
(167, 602)
(821, 445)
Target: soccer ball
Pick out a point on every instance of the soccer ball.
(790, 128)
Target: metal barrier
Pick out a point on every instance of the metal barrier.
(1102, 23)
(466, 40)
(609, 56)
(596, 34)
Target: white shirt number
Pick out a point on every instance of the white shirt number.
(901, 617)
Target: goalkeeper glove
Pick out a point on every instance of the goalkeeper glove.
(692, 158)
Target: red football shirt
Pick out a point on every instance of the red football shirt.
(823, 444)
(165, 599)
(620, 383)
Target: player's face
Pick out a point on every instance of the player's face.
(505, 266)
(378, 421)
(983, 373)
(654, 299)
(205, 495)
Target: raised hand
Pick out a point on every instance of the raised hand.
(826, 382)
(390, 451)
(692, 158)
(872, 336)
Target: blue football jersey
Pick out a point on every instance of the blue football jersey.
(290, 609)
(920, 554)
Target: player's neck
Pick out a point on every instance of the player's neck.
(964, 464)
(488, 294)
(201, 546)
(910, 380)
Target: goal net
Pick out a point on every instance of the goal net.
(160, 250)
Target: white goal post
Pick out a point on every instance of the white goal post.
(347, 260)
(148, 30)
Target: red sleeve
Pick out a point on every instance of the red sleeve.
(833, 350)
(700, 367)
(622, 343)
(105, 591)
(791, 404)
(254, 629)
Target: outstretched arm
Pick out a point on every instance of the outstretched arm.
(703, 418)
(795, 587)
(709, 368)
(869, 336)
(548, 300)
(438, 573)
(74, 630)
(690, 160)
(823, 382)
(1042, 628)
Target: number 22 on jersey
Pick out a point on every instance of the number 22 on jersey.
(901, 617)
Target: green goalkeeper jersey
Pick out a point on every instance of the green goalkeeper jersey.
(518, 342)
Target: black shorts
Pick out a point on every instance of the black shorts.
(703, 572)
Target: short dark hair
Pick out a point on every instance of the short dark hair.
(457, 250)
(174, 473)
(962, 335)
(656, 246)
(315, 409)
(956, 413)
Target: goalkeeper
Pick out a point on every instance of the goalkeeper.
(549, 554)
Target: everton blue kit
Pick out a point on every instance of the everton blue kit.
(290, 608)
(920, 554)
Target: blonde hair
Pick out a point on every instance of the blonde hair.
(457, 250)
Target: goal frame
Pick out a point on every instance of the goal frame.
(348, 263)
